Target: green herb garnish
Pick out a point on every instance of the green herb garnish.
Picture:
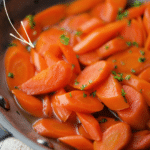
(106, 47)
(129, 22)
(129, 43)
(103, 120)
(142, 59)
(142, 52)
(83, 87)
(123, 94)
(135, 44)
(121, 14)
(84, 95)
(73, 66)
(114, 73)
(77, 56)
(136, 3)
(76, 82)
(12, 44)
(78, 33)
(114, 60)
(90, 81)
(93, 94)
(133, 71)
(128, 77)
(64, 40)
(31, 21)
(70, 94)
(10, 75)
(119, 77)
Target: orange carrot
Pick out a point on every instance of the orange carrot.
(91, 125)
(49, 80)
(53, 128)
(112, 47)
(47, 108)
(77, 141)
(99, 36)
(61, 112)
(81, 6)
(110, 93)
(93, 75)
(80, 101)
(18, 66)
(140, 140)
(133, 60)
(71, 57)
(51, 15)
(147, 43)
(146, 19)
(29, 103)
(138, 106)
(145, 74)
(114, 138)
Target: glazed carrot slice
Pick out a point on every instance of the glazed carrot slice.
(89, 58)
(133, 33)
(81, 6)
(78, 142)
(99, 36)
(80, 101)
(93, 75)
(32, 28)
(110, 93)
(91, 24)
(112, 47)
(49, 80)
(18, 66)
(51, 15)
(146, 19)
(116, 137)
(106, 122)
(147, 43)
(61, 112)
(140, 140)
(138, 106)
(133, 60)
(53, 128)
(29, 103)
(71, 57)
(138, 84)
(38, 61)
(145, 74)
(91, 125)
(47, 108)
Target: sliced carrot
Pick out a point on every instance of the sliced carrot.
(49, 80)
(93, 75)
(106, 122)
(80, 101)
(110, 93)
(138, 106)
(140, 140)
(77, 141)
(18, 66)
(38, 61)
(145, 74)
(81, 6)
(71, 57)
(53, 128)
(148, 124)
(146, 19)
(89, 58)
(91, 125)
(29, 103)
(112, 47)
(51, 15)
(133, 60)
(47, 108)
(116, 137)
(138, 84)
(91, 24)
(147, 43)
(61, 112)
(99, 36)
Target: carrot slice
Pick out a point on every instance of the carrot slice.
(114, 138)
(78, 142)
(80, 101)
(145, 74)
(91, 125)
(51, 15)
(133, 60)
(112, 47)
(138, 106)
(81, 6)
(61, 112)
(93, 75)
(48, 80)
(147, 43)
(91, 41)
(110, 93)
(146, 19)
(29, 103)
(53, 128)
(140, 140)
(38, 61)
(18, 66)
(71, 57)
(47, 108)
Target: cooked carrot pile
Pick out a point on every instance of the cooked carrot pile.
(87, 80)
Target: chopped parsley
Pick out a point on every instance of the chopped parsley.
(122, 63)
(73, 66)
(76, 82)
(16, 87)
(90, 81)
(123, 94)
(116, 67)
(10, 75)
(114, 73)
(128, 77)
(129, 43)
(83, 87)
(106, 47)
(77, 56)
(12, 44)
(142, 52)
(133, 71)
(135, 44)
(142, 59)
(140, 90)
(121, 14)
(137, 3)
(119, 77)
(64, 40)
(129, 22)
(103, 120)
(70, 94)
(63, 29)
(116, 119)
(84, 95)
(114, 60)
(93, 94)
(100, 69)
(31, 21)
(78, 33)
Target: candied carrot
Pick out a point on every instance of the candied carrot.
(145, 74)
(146, 19)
